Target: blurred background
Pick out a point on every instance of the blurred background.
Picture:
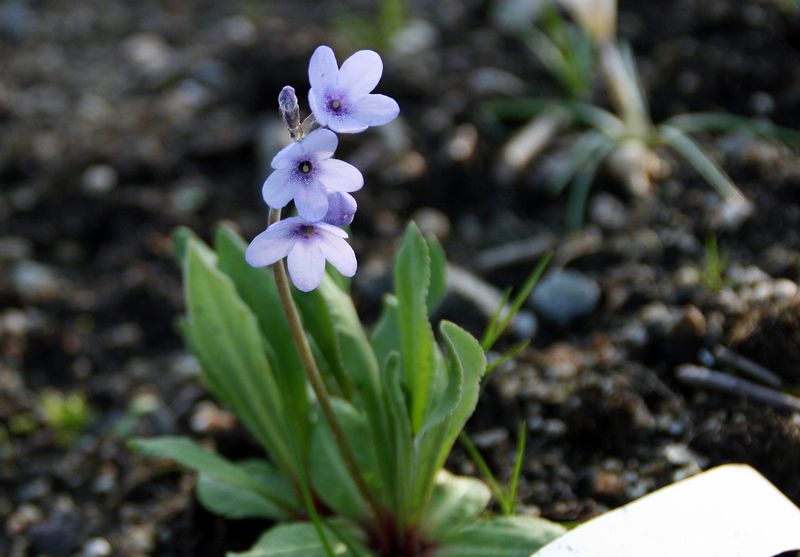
(120, 121)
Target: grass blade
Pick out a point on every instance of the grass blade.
(700, 161)
(579, 192)
(507, 355)
(580, 153)
(494, 322)
(483, 467)
(517, 302)
(721, 122)
(517, 470)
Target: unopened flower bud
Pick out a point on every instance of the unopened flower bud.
(341, 209)
(290, 110)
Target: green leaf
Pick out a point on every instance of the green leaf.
(301, 540)
(438, 286)
(258, 290)
(332, 319)
(456, 502)
(400, 451)
(180, 239)
(320, 324)
(353, 349)
(508, 536)
(463, 351)
(228, 342)
(466, 364)
(329, 473)
(412, 275)
(386, 332)
(233, 502)
(233, 490)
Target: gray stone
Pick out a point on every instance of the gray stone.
(564, 295)
(96, 547)
(609, 212)
(99, 179)
(34, 281)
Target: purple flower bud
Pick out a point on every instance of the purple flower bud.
(290, 110)
(341, 208)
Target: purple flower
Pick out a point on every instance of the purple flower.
(341, 208)
(305, 171)
(308, 245)
(340, 98)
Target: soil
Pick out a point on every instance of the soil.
(121, 121)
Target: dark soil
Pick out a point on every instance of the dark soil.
(121, 121)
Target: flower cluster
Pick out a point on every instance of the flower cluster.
(306, 173)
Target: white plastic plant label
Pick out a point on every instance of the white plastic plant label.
(729, 511)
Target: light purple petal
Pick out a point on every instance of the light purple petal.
(375, 110)
(322, 143)
(271, 245)
(279, 188)
(306, 264)
(341, 208)
(339, 253)
(322, 69)
(346, 124)
(338, 175)
(360, 73)
(319, 111)
(311, 201)
(287, 156)
(329, 228)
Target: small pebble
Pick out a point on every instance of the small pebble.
(25, 515)
(239, 30)
(692, 323)
(490, 437)
(185, 365)
(124, 335)
(57, 535)
(564, 295)
(140, 538)
(34, 281)
(148, 52)
(486, 82)
(608, 484)
(208, 418)
(14, 248)
(432, 222)
(417, 37)
(96, 547)
(99, 179)
(461, 145)
(608, 212)
(784, 288)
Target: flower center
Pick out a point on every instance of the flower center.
(309, 230)
(304, 167)
(335, 105)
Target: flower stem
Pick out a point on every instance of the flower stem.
(314, 377)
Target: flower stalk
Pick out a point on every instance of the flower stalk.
(315, 378)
